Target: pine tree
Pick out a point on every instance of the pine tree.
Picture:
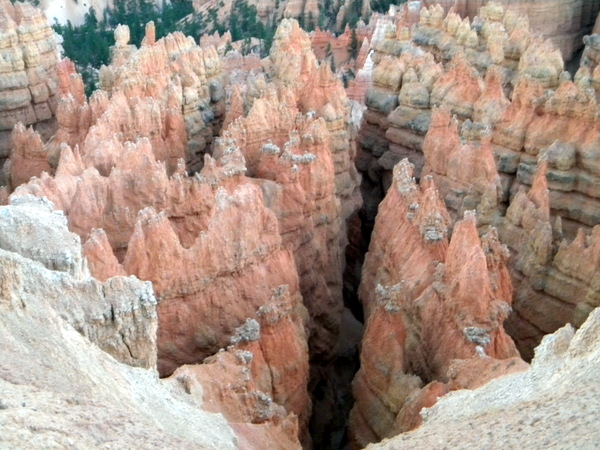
(353, 47)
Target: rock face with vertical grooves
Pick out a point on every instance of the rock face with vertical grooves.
(266, 363)
(434, 310)
(295, 171)
(243, 247)
(317, 89)
(502, 113)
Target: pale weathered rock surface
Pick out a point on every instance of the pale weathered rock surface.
(118, 315)
(536, 408)
(564, 23)
(60, 390)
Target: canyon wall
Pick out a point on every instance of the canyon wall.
(28, 80)
(239, 239)
(293, 125)
(564, 23)
(54, 312)
(178, 73)
(434, 309)
(480, 120)
(252, 241)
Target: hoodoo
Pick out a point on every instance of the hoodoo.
(322, 224)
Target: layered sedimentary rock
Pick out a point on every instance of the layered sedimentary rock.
(531, 409)
(495, 38)
(558, 127)
(564, 23)
(298, 172)
(396, 120)
(176, 74)
(434, 310)
(463, 168)
(29, 157)
(310, 13)
(65, 321)
(73, 391)
(326, 44)
(316, 88)
(554, 135)
(555, 279)
(199, 304)
(28, 78)
(295, 132)
(588, 74)
(357, 88)
(215, 245)
(152, 220)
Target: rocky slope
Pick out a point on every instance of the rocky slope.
(242, 236)
(534, 408)
(118, 315)
(60, 317)
(264, 214)
(554, 277)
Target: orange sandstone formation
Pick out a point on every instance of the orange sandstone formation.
(180, 76)
(267, 363)
(297, 167)
(114, 182)
(29, 157)
(296, 133)
(56, 313)
(316, 89)
(217, 244)
(463, 167)
(434, 310)
(510, 115)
